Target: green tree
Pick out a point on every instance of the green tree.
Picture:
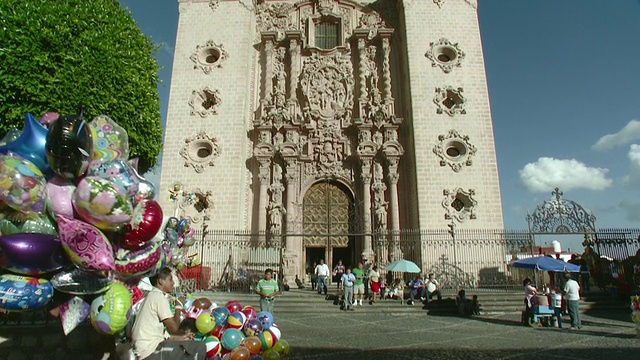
(57, 55)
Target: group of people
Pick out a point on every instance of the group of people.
(571, 294)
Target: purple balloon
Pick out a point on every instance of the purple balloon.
(31, 143)
(31, 254)
(59, 194)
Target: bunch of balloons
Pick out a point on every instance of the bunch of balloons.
(234, 332)
(76, 219)
(178, 236)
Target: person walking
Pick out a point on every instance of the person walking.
(267, 289)
(572, 297)
(338, 271)
(346, 283)
(314, 277)
(358, 287)
(374, 281)
(322, 273)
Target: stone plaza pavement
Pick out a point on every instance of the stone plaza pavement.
(340, 335)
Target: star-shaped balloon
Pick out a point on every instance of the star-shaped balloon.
(31, 144)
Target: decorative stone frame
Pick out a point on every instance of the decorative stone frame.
(205, 53)
(200, 151)
(459, 204)
(314, 20)
(205, 102)
(450, 101)
(445, 54)
(454, 150)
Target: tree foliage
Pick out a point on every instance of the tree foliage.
(57, 55)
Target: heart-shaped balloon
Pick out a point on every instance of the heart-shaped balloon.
(73, 313)
(86, 246)
(22, 185)
(59, 196)
(144, 225)
(69, 146)
(31, 143)
(101, 203)
(117, 172)
(110, 140)
(31, 254)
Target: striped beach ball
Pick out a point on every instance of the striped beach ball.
(236, 320)
(267, 339)
(213, 345)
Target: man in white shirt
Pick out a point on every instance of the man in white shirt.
(572, 297)
(155, 319)
(433, 288)
(322, 272)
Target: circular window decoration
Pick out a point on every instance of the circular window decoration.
(454, 150)
(445, 55)
(209, 56)
(200, 151)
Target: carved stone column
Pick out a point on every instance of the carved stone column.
(295, 42)
(392, 177)
(361, 35)
(268, 41)
(264, 172)
(385, 34)
(365, 176)
(293, 244)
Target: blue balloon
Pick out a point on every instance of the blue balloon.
(265, 318)
(31, 144)
(220, 314)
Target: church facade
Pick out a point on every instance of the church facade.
(324, 122)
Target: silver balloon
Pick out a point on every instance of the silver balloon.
(80, 282)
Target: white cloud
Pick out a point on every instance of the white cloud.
(628, 134)
(547, 173)
(632, 181)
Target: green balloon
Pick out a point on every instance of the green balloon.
(282, 347)
(110, 312)
(271, 354)
(35, 224)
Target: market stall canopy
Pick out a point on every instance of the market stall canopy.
(545, 263)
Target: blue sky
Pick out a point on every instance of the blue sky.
(564, 84)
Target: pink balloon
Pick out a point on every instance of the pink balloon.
(73, 313)
(102, 203)
(60, 192)
(86, 246)
(49, 118)
(134, 263)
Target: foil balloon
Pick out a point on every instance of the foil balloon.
(31, 254)
(69, 145)
(111, 311)
(59, 194)
(86, 246)
(10, 136)
(22, 185)
(23, 293)
(110, 140)
(49, 118)
(81, 282)
(145, 224)
(117, 172)
(101, 203)
(73, 313)
(136, 263)
(146, 189)
(33, 223)
(31, 143)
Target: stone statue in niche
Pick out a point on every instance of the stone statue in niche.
(280, 79)
(380, 210)
(276, 212)
(371, 72)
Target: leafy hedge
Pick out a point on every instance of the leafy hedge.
(57, 55)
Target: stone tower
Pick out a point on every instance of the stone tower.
(326, 121)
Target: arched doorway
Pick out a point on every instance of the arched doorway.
(328, 210)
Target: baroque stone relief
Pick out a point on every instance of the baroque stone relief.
(450, 101)
(372, 21)
(274, 17)
(209, 56)
(327, 85)
(445, 54)
(454, 150)
(205, 102)
(200, 151)
(194, 205)
(459, 204)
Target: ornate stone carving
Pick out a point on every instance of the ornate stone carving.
(346, 21)
(200, 151)
(209, 56)
(205, 102)
(439, 3)
(195, 205)
(324, 7)
(373, 22)
(459, 204)
(380, 206)
(454, 150)
(327, 84)
(450, 101)
(274, 17)
(276, 208)
(213, 5)
(445, 54)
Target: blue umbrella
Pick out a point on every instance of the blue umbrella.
(545, 263)
(403, 266)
